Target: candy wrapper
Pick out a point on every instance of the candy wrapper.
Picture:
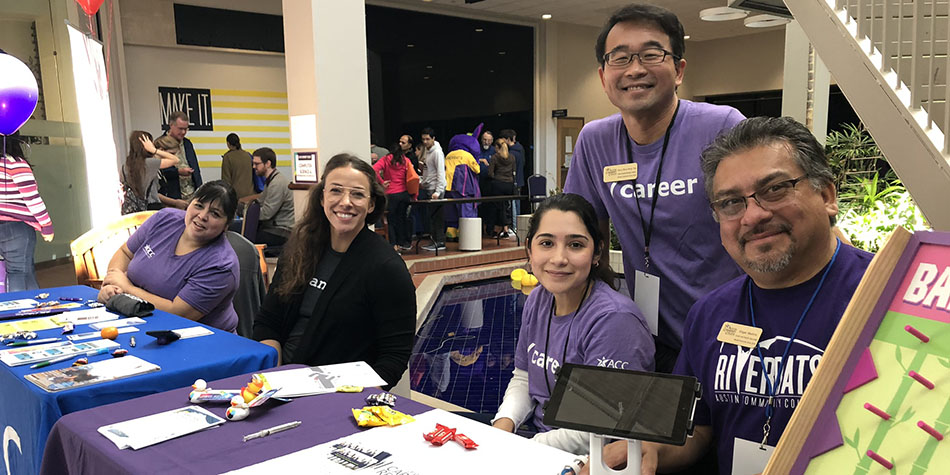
(349, 389)
(373, 416)
(465, 441)
(381, 399)
(440, 435)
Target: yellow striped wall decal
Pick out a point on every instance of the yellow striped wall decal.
(219, 152)
(253, 128)
(233, 92)
(246, 116)
(244, 140)
(250, 105)
(217, 163)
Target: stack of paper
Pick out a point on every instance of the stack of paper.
(93, 373)
(150, 430)
(39, 353)
(321, 379)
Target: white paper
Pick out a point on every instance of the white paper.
(748, 458)
(17, 304)
(31, 354)
(89, 315)
(497, 452)
(321, 379)
(647, 297)
(150, 430)
(192, 332)
(118, 323)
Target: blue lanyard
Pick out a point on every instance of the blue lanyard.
(781, 365)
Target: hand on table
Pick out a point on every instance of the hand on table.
(107, 291)
(504, 424)
(435, 196)
(117, 278)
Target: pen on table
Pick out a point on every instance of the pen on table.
(272, 430)
(33, 342)
(60, 359)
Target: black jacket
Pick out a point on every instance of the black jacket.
(366, 313)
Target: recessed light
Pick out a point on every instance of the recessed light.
(546, 16)
(428, 66)
(501, 52)
(479, 30)
(425, 77)
(410, 45)
(686, 37)
(765, 21)
(722, 14)
(491, 70)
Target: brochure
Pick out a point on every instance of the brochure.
(85, 316)
(321, 379)
(31, 354)
(150, 430)
(93, 373)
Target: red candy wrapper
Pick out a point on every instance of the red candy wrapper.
(440, 435)
(465, 441)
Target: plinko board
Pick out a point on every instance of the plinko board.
(880, 399)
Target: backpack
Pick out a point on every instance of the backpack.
(131, 203)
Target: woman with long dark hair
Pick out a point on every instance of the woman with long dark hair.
(22, 214)
(394, 170)
(341, 293)
(236, 167)
(140, 171)
(574, 316)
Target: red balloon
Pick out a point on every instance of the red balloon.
(90, 6)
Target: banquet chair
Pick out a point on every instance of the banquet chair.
(94, 249)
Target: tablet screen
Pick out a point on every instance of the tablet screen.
(630, 404)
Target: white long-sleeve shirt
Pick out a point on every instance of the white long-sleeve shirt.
(434, 176)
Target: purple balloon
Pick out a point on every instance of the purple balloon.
(18, 94)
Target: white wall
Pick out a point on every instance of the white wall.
(578, 85)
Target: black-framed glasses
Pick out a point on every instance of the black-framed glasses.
(768, 197)
(622, 58)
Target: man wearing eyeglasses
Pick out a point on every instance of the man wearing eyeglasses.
(640, 169)
(773, 194)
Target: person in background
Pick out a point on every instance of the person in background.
(181, 262)
(341, 293)
(277, 200)
(141, 170)
(393, 171)
(182, 180)
(170, 145)
(486, 150)
(432, 186)
(516, 149)
(574, 316)
(236, 168)
(375, 151)
(501, 173)
(22, 214)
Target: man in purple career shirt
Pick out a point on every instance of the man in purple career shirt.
(640, 51)
(774, 196)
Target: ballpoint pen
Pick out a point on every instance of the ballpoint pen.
(272, 430)
(33, 342)
(60, 359)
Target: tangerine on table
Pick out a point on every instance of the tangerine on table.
(109, 333)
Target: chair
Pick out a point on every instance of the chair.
(252, 217)
(94, 249)
(537, 189)
(250, 291)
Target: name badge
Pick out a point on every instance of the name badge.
(749, 458)
(627, 171)
(739, 334)
(647, 297)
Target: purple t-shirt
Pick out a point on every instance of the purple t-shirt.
(608, 330)
(685, 250)
(205, 278)
(734, 390)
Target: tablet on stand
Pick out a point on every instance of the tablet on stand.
(619, 404)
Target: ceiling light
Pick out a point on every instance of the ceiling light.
(501, 52)
(722, 14)
(765, 21)
(410, 45)
(479, 30)
(686, 37)
(546, 16)
(425, 77)
(428, 66)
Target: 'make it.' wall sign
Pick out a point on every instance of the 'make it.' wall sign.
(194, 102)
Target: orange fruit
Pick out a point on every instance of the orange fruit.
(109, 333)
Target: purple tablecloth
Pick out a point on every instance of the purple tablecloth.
(74, 445)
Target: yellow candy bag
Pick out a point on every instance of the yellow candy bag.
(366, 418)
(390, 415)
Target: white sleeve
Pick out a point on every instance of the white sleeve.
(440, 172)
(517, 404)
(568, 440)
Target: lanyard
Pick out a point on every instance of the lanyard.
(648, 228)
(270, 177)
(781, 365)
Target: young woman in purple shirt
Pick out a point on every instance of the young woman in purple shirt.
(574, 316)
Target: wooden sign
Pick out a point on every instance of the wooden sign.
(880, 399)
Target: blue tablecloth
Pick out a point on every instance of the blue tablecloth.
(27, 412)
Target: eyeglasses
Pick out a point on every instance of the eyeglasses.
(768, 198)
(622, 58)
(356, 195)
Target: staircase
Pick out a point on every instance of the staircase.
(890, 59)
